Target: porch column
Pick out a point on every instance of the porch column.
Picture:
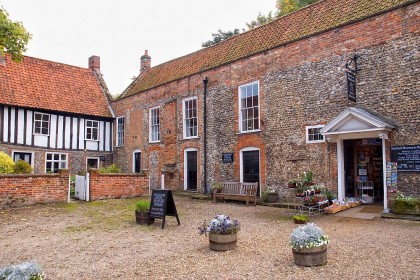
(340, 171)
(384, 136)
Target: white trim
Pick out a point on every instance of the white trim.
(86, 127)
(97, 158)
(134, 160)
(150, 125)
(184, 131)
(307, 134)
(186, 167)
(240, 108)
(24, 152)
(116, 133)
(34, 120)
(340, 170)
(241, 164)
(60, 154)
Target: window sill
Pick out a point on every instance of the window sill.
(315, 142)
(93, 140)
(190, 138)
(251, 131)
(155, 142)
(40, 134)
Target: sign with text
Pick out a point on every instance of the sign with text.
(227, 157)
(351, 86)
(391, 176)
(406, 157)
(162, 204)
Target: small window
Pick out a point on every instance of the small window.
(92, 130)
(313, 134)
(249, 107)
(154, 125)
(41, 123)
(190, 118)
(55, 162)
(120, 131)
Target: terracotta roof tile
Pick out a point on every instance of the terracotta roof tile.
(319, 17)
(42, 84)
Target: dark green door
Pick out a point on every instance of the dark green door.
(251, 167)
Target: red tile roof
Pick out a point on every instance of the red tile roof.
(41, 84)
(316, 18)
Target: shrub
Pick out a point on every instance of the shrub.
(22, 167)
(301, 218)
(113, 168)
(6, 163)
(142, 206)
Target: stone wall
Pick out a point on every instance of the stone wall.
(103, 186)
(301, 83)
(18, 190)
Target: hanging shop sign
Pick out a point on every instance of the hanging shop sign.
(406, 157)
(351, 86)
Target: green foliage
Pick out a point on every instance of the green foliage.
(220, 36)
(405, 204)
(13, 37)
(113, 168)
(142, 205)
(22, 167)
(301, 218)
(216, 186)
(6, 164)
(288, 6)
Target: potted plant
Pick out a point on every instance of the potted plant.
(330, 196)
(270, 195)
(309, 245)
(142, 212)
(300, 218)
(307, 178)
(216, 187)
(291, 183)
(222, 232)
(317, 189)
(300, 190)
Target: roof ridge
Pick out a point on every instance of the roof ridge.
(55, 62)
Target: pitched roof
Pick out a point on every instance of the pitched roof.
(316, 18)
(41, 84)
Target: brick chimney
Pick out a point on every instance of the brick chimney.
(95, 63)
(145, 61)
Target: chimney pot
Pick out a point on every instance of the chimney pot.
(95, 63)
(145, 61)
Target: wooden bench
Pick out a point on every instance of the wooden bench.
(238, 191)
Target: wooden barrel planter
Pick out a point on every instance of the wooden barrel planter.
(272, 197)
(310, 257)
(142, 218)
(219, 242)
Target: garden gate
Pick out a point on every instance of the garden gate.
(82, 187)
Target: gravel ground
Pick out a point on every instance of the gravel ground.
(100, 240)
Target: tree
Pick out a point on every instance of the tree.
(13, 37)
(283, 7)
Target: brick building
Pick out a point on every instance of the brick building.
(55, 116)
(277, 103)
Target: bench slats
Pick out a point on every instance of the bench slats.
(238, 191)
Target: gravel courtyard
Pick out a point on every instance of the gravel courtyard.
(100, 240)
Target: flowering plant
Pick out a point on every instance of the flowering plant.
(308, 236)
(315, 199)
(221, 224)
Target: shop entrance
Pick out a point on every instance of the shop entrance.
(363, 168)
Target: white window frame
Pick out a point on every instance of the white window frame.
(24, 152)
(59, 160)
(241, 128)
(307, 128)
(95, 158)
(152, 124)
(134, 159)
(186, 166)
(120, 133)
(91, 127)
(42, 122)
(184, 122)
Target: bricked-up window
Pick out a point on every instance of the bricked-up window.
(190, 118)
(92, 130)
(55, 162)
(120, 131)
(41, 123)
(249, 117)
(313, 134)
(154, 125)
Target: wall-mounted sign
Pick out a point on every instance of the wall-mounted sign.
(227, 157)
(391, 176)
(406, 157)
(351, 86)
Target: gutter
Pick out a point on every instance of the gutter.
(205, 189)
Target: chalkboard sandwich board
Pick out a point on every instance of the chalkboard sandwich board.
(162, 204)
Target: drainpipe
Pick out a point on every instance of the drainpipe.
(205, 135)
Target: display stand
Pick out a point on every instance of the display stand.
(363, 189)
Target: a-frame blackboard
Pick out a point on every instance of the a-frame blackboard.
(162, 204)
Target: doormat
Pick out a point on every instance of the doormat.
(371, 209)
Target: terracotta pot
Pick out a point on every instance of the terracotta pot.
(220, 242)
(310, 257)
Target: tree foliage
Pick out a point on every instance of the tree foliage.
(22, 167)
(283, 7)
(6, 163)
(13, 37)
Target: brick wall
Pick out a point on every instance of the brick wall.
(104, 186)
(17, 190)
(301, 83)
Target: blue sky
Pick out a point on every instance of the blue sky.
(119, 31)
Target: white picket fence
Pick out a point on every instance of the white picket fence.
(82, 187)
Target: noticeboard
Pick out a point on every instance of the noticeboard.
(406, 157)
(162, 204)
(227, 157)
